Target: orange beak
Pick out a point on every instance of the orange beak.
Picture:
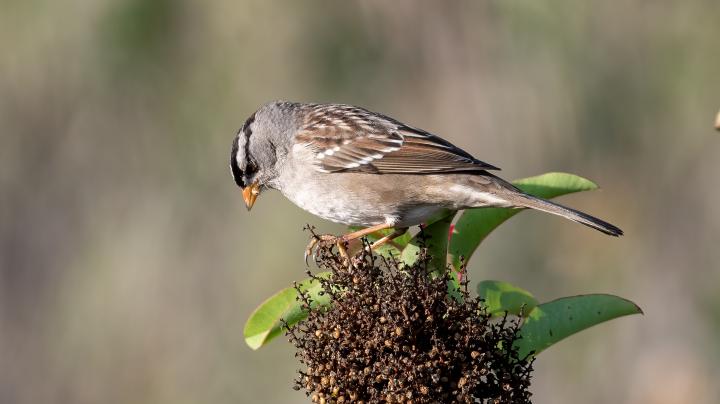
(250, 194)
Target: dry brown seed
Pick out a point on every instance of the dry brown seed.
(318, 333)
(398, 331)
(424, 390)
(336, 333)
(461, 332)
(383, 320)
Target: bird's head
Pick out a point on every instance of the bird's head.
(254, 151)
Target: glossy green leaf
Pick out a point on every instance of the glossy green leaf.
(501, 297)
(474, 225)
(551, 322)
(265, 322)
(435, 240)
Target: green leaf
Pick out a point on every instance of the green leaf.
(501, 297)
(551, 322)
(265, 323)
(453, 287)
(436, 242)
(475, 224)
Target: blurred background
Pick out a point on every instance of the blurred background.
(128, 263)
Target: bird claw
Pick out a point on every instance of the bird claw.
(325, 240)
(309, 249)
(356, 261)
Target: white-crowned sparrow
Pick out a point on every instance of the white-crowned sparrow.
(356, 167)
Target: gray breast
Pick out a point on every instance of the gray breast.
(364, 199)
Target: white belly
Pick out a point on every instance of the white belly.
(367, 199)
(337, 208)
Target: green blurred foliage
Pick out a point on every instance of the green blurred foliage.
(138, 33)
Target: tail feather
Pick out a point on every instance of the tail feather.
(527, 201)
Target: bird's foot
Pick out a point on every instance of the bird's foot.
(326, 240)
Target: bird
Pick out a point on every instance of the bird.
(360, 168)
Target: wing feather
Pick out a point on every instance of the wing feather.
(347, 138)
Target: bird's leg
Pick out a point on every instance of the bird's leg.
(365, 232)
(342, 250)
(341, 240)
(390, 237)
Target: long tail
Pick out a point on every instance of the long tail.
(528, 201)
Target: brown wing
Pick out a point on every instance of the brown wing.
(347, 138)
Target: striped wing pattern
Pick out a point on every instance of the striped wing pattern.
(348, 138)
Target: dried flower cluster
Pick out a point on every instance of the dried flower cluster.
(392, 334)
